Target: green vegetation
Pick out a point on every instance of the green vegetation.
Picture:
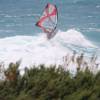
(41, 83)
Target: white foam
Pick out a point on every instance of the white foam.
(6, 30)
(97, 6)
(94, 29)
(74, 37)
(38, 50)
(10, 16)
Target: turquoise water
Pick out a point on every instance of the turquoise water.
(18, 17)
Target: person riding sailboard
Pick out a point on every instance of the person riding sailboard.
(48, 21)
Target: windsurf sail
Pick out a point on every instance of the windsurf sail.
(48, 21)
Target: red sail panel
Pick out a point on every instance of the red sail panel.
(48, 21)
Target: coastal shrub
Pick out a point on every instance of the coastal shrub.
(49, 83)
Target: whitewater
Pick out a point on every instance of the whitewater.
(35, 50)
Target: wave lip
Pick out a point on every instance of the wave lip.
(74, 37)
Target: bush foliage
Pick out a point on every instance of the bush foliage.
(49, 83)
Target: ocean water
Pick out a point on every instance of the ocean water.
(78, 29)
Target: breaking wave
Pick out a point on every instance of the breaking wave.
(39, 50)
